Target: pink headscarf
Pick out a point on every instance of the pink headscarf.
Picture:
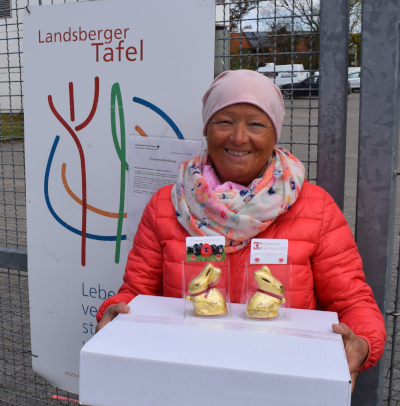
(244, 86)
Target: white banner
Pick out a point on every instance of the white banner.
(94, 74)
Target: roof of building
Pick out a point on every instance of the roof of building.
(261, 39)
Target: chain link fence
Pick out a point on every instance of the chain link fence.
(252, 34)
(275, 37)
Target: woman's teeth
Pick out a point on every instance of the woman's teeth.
(238, 153)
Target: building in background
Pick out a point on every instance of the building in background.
(251, 44)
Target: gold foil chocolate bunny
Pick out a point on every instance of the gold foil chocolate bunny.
(265, 303)
(207, 299)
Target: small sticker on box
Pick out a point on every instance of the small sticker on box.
(268, 251)
(205, 249)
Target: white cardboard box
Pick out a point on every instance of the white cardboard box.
(154, 356)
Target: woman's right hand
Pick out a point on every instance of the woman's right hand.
(111, 313)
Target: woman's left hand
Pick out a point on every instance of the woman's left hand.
(356, 350)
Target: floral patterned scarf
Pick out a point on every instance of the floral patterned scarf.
(239, 215)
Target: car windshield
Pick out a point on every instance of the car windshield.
(354, 75)
(312, 79)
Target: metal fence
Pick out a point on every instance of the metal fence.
(264, 35)
(251, 34)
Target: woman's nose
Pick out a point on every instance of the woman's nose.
(239, 135)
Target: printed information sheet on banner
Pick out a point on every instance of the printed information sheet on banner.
(153, 163)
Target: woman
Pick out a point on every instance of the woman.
(245, 187)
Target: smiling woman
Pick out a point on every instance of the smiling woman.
(245, 186)
(243, 113)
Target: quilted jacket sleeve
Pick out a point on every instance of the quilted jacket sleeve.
(340, 282)
(143, 272)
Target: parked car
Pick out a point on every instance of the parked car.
(353, 69)
(354, 79)
(284, 74)
(304, 88)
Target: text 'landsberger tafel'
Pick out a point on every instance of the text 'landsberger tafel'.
(99, 39)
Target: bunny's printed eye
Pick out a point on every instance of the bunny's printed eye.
(266, 280)
(208, 272)
(197, 284)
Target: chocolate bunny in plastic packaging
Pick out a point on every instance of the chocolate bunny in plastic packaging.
(265, 303)
(207, 299)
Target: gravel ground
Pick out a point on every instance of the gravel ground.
(18, 384)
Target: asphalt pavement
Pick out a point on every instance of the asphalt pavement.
(300, 134)
(300, 112)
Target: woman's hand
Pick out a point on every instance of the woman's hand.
(356, 350)
(111, 313)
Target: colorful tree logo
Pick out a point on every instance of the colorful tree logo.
(120, 147)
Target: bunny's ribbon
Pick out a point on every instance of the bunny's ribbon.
(206, 291)
(270, 294)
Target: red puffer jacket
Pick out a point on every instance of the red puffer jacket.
(327, 268)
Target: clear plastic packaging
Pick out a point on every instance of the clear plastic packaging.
(267, 291)
(206, 288)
